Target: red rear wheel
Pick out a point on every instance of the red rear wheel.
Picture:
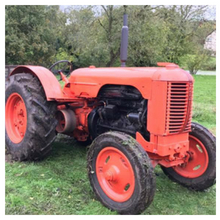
(29, 118)
(199, 173)
(115, 174)
(15, 117)
(198, 162)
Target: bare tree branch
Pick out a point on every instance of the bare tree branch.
(106, 11)
(102, 26)
(190, 11)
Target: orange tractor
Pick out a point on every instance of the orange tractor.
(134, 117)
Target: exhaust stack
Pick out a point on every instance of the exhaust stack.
(124, 41)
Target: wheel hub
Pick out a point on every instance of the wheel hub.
(190, 155)
(115, 174)
(197, 162)
(111, 174)
(15, 118)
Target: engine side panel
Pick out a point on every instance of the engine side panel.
(157, 108)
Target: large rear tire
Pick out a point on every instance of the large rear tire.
(200, 171)
(120, 173)
(29, 118)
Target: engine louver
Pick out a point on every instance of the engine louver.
(179, 105)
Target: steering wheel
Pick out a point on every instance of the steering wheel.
(63, 66)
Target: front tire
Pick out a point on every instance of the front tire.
(120, 173)
(200, 171)
(29, 118)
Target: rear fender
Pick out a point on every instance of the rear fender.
(48, 81)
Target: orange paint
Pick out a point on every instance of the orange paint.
(115, 174)
(167, 88)
(49, 82)
(199, 160)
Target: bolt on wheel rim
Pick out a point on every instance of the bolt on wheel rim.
(15, 118)
(115, 174)
(198, 161)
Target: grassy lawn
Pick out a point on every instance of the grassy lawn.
(204, 104)
(59, 184)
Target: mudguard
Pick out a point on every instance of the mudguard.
(48, 81)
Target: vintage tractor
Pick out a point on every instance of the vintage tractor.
(134, 117)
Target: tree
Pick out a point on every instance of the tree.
(30, 34)
(94, 35)
(147, 36)
(90, 35)
(184, 24)
(81, 38)
(193, 62)
(109, 21)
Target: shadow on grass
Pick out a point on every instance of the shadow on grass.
(67, 147)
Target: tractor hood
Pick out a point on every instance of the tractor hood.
(86, 82)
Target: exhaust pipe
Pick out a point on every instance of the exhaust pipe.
(124, 41)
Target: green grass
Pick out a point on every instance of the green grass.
(59, 184)
(204, 101)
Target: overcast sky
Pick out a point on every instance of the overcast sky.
(211, 12)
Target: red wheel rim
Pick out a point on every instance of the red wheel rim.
(15, 118)
(115, 174)
(198, 161)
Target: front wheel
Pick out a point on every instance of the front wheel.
(121, 173)
(199, 173)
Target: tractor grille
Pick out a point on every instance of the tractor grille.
(179, 105)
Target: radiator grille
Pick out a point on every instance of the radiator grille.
(179, 105)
